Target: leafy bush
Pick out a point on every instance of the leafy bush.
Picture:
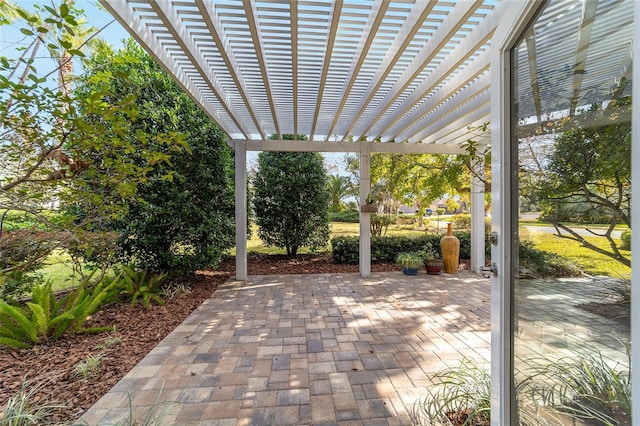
(573, 211)
(379, 224)
(349, 216)
(14, 284)
(541, 263)
(96, 248)
(461, 221)
(46, 317)
(14, 220)
(25, 246)
(405, 219)
(626, 239)
(139, 284)
(181, 217)
(460, 396)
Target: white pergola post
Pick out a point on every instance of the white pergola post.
(240, 147)
(365, 218)
(477, 217)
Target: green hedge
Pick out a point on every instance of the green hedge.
(350, 216)
(345, 249)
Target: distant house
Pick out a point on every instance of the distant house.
(407, 209)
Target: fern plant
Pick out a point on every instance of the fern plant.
(45, 317)
(140, 284)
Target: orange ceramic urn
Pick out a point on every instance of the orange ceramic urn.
(450, 248)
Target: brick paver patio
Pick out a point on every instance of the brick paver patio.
(319, 349)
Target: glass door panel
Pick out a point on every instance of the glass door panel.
(571, 100)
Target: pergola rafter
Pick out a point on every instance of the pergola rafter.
(444, 34)
(334, 70)
(213, 24)
(589, 9)
(373, 23)
(331, 39)
(256, 35)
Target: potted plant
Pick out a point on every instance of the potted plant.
(410, 262)
(432, 260)
(370, 205)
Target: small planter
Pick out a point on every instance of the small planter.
(434, 266)
(409, 271)
(369, 208)
(410, 262)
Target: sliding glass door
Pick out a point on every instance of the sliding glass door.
(571, 141)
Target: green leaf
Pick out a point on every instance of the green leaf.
(26, 31)
(20, 319)
(38, 319)
(65, 44)
(13, 343)
(64, 10)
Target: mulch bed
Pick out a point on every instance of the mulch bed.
(48, 369)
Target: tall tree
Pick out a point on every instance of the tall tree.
(339, 188)
(591, 165)
(291, 200)
(182, 217)
(48, 143)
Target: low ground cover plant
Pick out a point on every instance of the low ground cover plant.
(139, 284)
(48, 317)
(582, 387)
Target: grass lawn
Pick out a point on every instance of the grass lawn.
(255, 245)
(591, 262)
(59, 269)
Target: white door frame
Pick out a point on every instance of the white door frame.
(503, 201)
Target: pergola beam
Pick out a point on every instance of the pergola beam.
(532, 55)
(426, 110)
(460, 118)
(326, 146)
(589, 9)
(410, 27)
(474, 40)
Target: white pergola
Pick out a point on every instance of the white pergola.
(399, 76)
(394, 76)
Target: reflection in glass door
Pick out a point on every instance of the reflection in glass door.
(572, 105)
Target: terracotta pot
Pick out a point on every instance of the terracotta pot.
(450, 248)
(434, 266)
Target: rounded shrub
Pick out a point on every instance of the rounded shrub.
(626, 240)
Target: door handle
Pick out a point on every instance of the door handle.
(487, 271)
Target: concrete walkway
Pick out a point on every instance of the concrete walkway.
(307, 349)
(341, 349)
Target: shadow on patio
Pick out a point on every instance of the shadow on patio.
(313, 349)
